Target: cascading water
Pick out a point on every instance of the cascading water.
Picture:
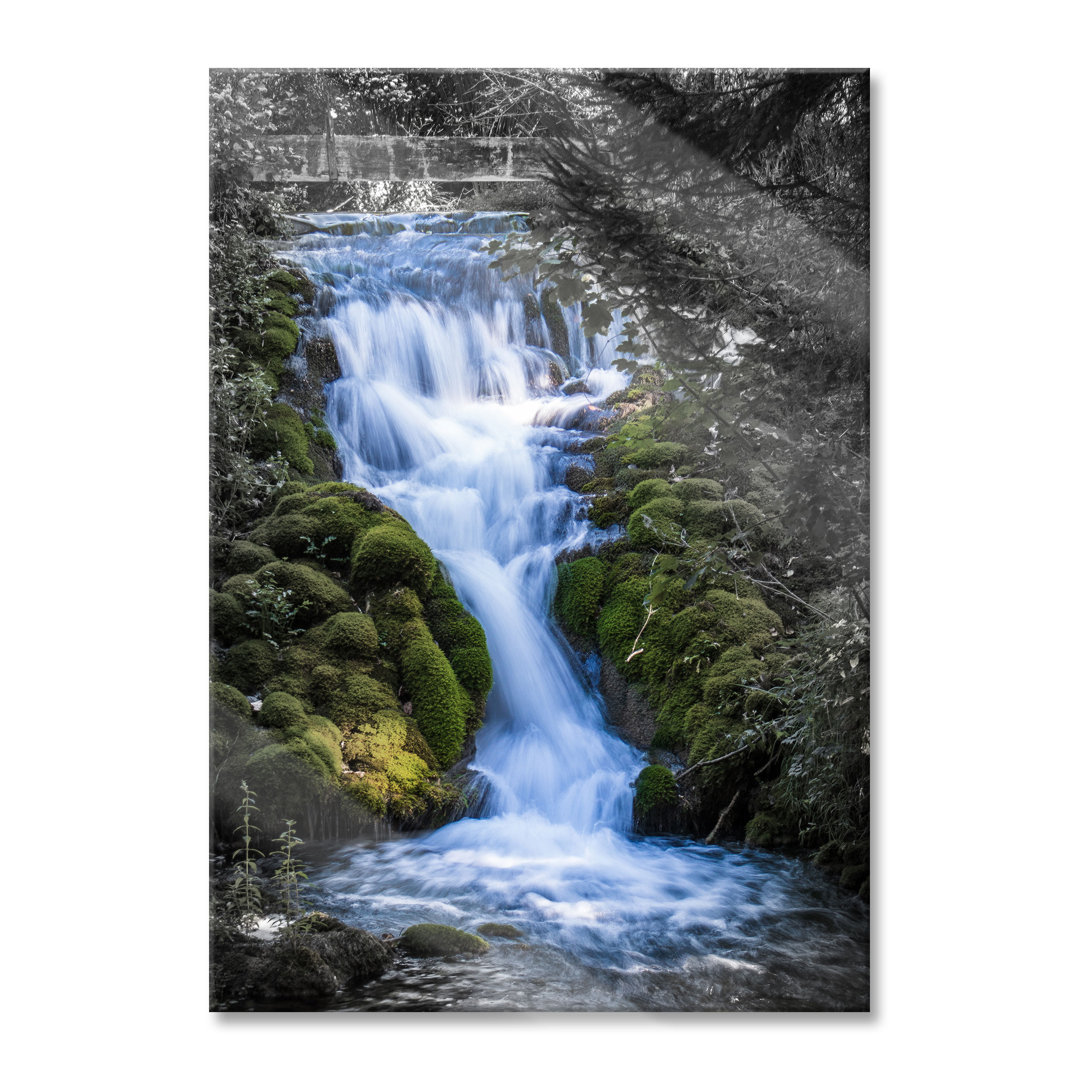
(447, 409)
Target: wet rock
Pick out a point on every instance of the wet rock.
(499, 930)
(577, 477)
(435, 939)
(628, 711)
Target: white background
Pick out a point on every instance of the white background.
(974, 388)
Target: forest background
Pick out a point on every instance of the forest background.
(969, 114)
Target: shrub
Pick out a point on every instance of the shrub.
(391, 554)
(579, 594)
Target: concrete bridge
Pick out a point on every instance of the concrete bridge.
(325, 158)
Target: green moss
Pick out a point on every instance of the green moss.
(499, 930)
(334, 510)
(608, 510)
(654, 790)
(697, 488)
(293, 281)
(326, 679)
(439, 705)
(228, 623)
(288, 535)
(648, 490)
(460, 636)
(767, 831)
(306, 585)
(351, 635)
(389, 555)
(579, 594)
(281, 711)
(248, 665)
(358, 699)
(743, 620)
(706, 518)
(620, 620)
(282, 431)
(273, 344)
(473, 669)
(228, 697)
(656, 522)
(323, 746)
(656, 455)
(284, 304)
(556, 323)
(434, 939)
(246, 557)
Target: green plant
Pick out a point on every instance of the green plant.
(272, 610)
(245, 900)
(290, 874)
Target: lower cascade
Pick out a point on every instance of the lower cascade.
(450, 410)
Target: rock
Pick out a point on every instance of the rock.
(499, 930)
(434, 939)
(628, 711)
(317, 957)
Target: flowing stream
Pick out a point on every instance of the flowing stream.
(449, 408)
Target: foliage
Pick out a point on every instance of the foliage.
(245, 901)
(290, 874)
(272, 609)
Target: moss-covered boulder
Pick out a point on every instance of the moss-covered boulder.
(350, 635)
(313, 594)
(248, 665)
(648, 490)
(499, 930)
(656, 455)
(579, 594)
(608, 510)
(245, 557)
(229, 697)
(657, 522)
(693, 489)
(228, 623)
(288, 535)
(282, 432)
(435, 939)
(656, 799)
(280, 710)
(388, 555)
(439, 704)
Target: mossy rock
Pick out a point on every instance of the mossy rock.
(654, 789)
(577, 478)
(306, 585)
(706, 518)
(556, 323)
(743, 620)
(608, 510)
(288, 535)
(335, 515)
(434, 939)
(273, 344)
(248, 665)
(620, 620)
(473, 669)
(282, 432)
(284, 304)
(768, 830)
(292, 281)
(281, 711)
(657, 522)
(228, 697)
(696, 488)
(579, 594)
(350, 635)
(440, 706)
(460, 636)
(359, 698)
(391, 554)
(228, 622)
(246, 557)
(854, 877)
(500, 930)
(648, 490)
(322, 745)
(655, 455)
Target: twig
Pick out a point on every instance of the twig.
(711, 838)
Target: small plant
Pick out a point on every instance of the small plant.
(245, 898)
(290, 873)
(318, 551)
(271, 610)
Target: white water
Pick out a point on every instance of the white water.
(448, 413)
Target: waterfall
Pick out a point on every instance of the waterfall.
(451, 409)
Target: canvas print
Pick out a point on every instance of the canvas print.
(539, 540)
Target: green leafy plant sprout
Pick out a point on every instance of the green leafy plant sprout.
(271, 610)
(290, 874)
(245, 897)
